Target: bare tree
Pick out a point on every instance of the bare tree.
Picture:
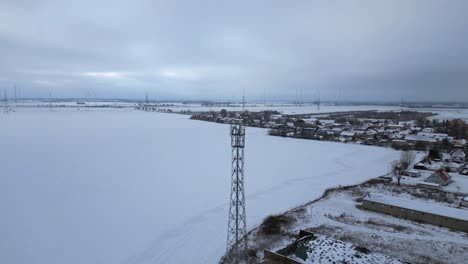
(396, 170)
(406, 158)
(397, 166)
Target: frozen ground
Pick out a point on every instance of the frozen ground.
(337, 215)
(292, 109)
(447, 113)
(135, 187)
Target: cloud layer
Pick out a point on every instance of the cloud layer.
(365, 50)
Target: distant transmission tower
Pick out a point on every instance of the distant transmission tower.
(5, 99)
(318, 103)
(243, 100)
(236, 247)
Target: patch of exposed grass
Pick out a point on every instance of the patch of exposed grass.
(275, 224)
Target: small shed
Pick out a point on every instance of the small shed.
(440, 177)
(348, 134)
(458, 155)
(464, 171)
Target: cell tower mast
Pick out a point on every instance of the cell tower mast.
(236, 247)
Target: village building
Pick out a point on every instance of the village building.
(458, 155)
(464, 171)
(440, 177)
(464, 202)
(459, 143)
(419, 138)
(453, 166)
(346, 136)
(418, 211)
(326, 122)
(445, 157)
(436, 136)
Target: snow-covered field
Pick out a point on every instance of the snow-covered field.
(447, 113)
(442, 113)
(135, 187)
(291, 108)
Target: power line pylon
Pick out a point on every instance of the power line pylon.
(236, 248)
(6, 109)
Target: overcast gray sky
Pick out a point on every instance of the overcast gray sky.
(367, 49)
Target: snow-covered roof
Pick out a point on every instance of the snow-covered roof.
(428, 183)
(419, 138)
(327, 121)
(311, 120)
(406, 122)
(412, 171)
(430, 208)
(348, 133)
(443, 175)
(428, 130)
(322, 249)
(445, 156)
(438, 136)
(458, 152)
(395, 126)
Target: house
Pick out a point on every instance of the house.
(348, 134)
(326, 122)
(458, 155)
(419, 138)
(406, 123)
(310, 121)
(464, 202)
(337, 130)
(325, 250)
(459, 143)
(427, 130)
(464, 171)
(445, 157)
(453, 166)
(436, 136)
(396, 127)
(270, 124)
(440, 177)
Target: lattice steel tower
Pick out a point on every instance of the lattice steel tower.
(236, 248)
